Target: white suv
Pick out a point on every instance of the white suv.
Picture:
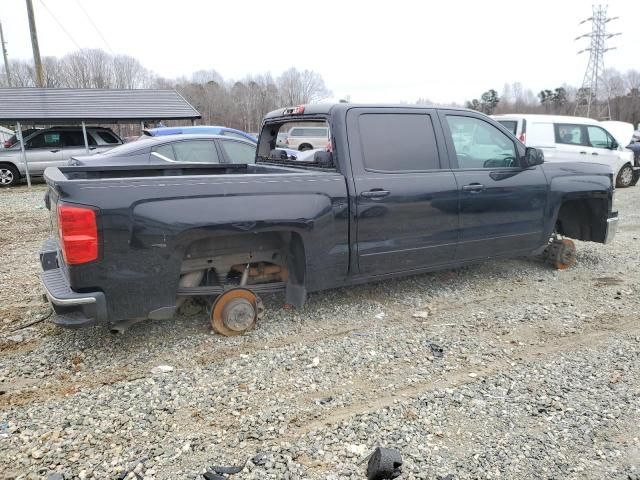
(307, 138)
(52, 147)
(574, 139)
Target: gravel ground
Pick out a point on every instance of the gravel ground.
(505, 369)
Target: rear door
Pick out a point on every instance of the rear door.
(406, 194)
(502, 204)
(73, 145)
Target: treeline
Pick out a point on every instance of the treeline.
(242, 103)
(233, 103)
(623, 88)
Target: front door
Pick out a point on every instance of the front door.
(406, 205)
(502, 204)
(44, 150)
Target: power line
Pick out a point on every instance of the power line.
(60, 25)
(95, 27)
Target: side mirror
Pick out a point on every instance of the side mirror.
(533, 157)
(614, 145)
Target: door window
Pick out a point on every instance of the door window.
(238, 152)
(76, 139)
(398, 142)
(45, 140)
(196, 151)
(598, 138)
(511, 125)
(165, 150)
(107, 137)
(479, 144)
(569, 134)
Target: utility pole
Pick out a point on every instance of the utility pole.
(34, 44)
(593, 98)
(4, 54)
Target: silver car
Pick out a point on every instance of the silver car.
(199, 148)
(52, 147)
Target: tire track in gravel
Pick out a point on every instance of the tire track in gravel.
(449, 379)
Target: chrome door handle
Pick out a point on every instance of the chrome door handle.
(595, 153)
(583, 153)
(375, 193)
(473, 188)
(54, 151)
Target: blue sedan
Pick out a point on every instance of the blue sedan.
(199, 129)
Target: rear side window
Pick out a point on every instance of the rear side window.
(196, 151)
(309, 132)
(570, 134)
(238, 152)
(511, 125)
(396, 142)
(107, 137)
(76, 139)
(165, 150)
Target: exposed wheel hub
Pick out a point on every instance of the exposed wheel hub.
(236, 311)
(561, 253)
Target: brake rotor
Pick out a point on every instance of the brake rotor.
(565, 255)
(236, 312)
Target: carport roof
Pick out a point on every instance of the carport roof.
(92, 105)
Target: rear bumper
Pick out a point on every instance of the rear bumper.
(72, 309)
(612, 227)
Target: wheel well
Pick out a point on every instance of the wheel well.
(223, 254)
(9, 164)
(305, 145)
(583, 219)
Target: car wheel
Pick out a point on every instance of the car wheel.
(9, 176)
(625, 177)
(304, 147)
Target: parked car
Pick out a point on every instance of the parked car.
(201, 129)
(564, 138)
(174, 148)
(307, 138)
(13, 139)
(454, 187)
(52, 147)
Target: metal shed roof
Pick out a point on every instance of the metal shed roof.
(88, 104)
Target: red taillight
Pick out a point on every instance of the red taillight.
(286, 142)
(329, 147)
(522, 137)
(7, 144)
(78, 234)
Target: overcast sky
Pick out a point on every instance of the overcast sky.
(391, 51)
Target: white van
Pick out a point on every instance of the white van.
(571, 139)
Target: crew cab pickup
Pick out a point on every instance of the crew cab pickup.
(400, 190)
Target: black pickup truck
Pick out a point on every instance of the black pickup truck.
(397, 190)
